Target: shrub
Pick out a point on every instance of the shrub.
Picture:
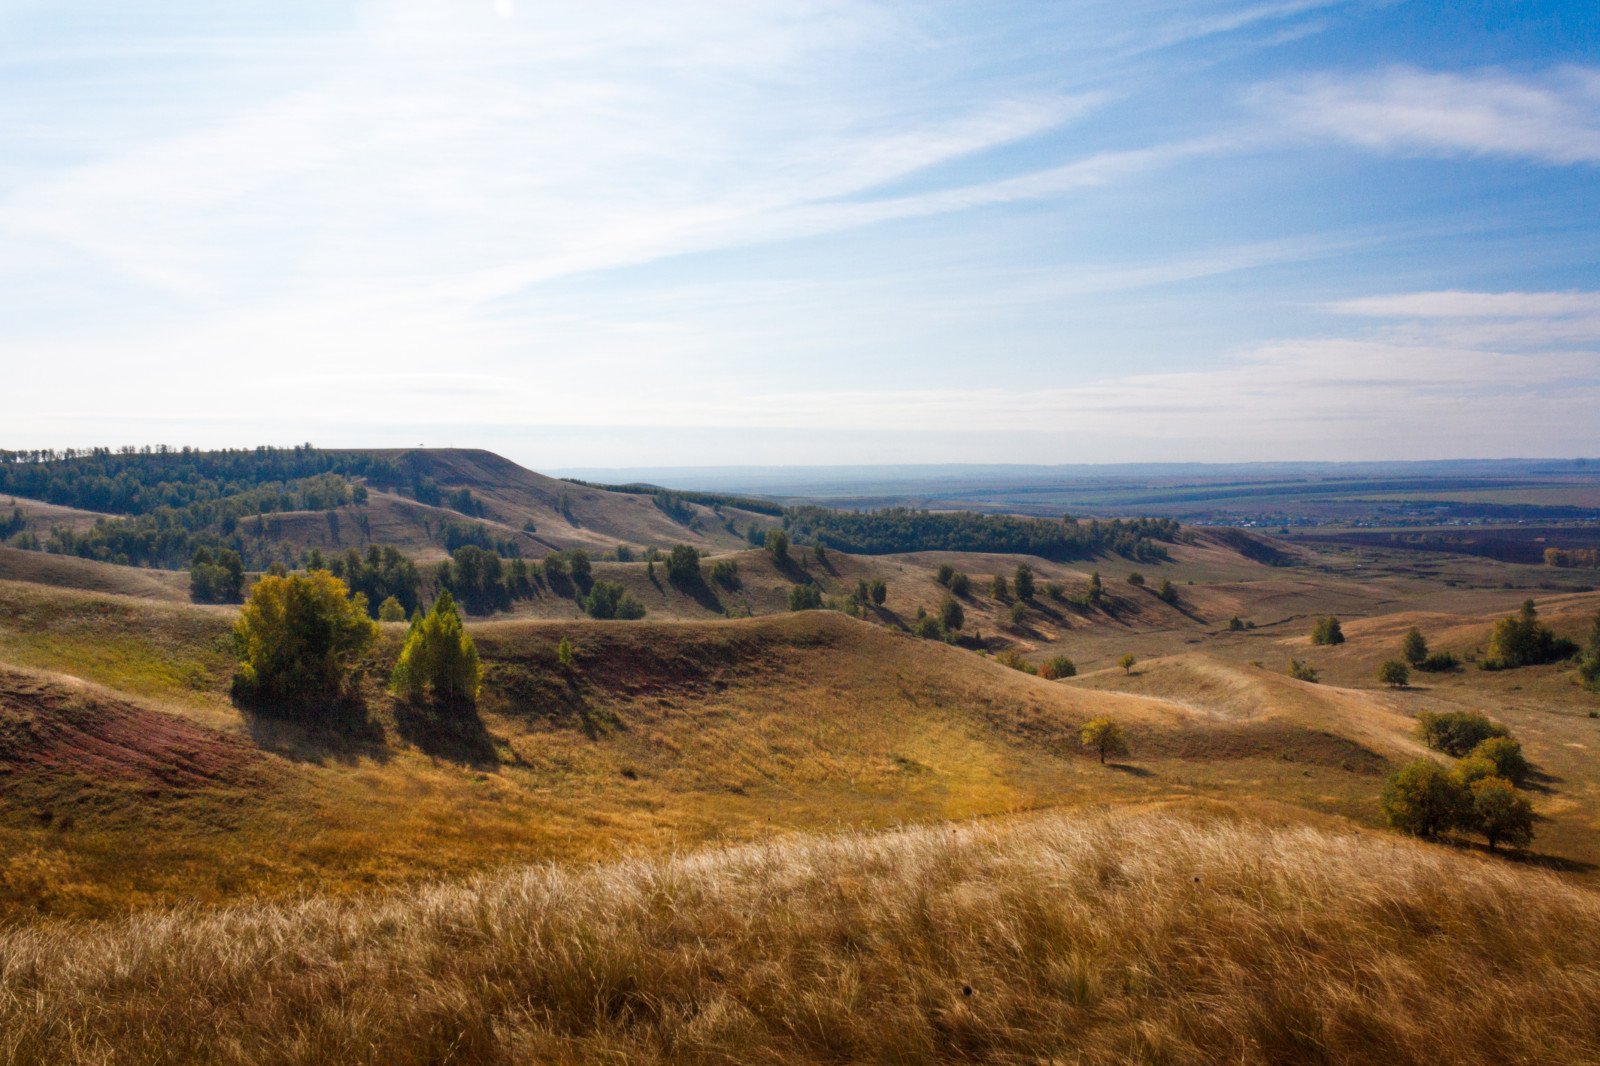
(1414, 647)
(683, 565)
(1019, 613)
(1097, 588)
(998, 587)
(878, 589)
(298, 637)
(1500, 813)
(951, 616)
(564, 654)
(1167, 593)
(391, 610)
(1394, 673)
(1057, 667)
(1327, 631)
(944, 574)
(1456, 732)
(1236, 624)
(607, 599)
(1438, 662)
(1424, 799)
(439, 659)
(1136, 579)
(1104, 737)
(1303, 671)
(1522, 640)
(1023, 579)
(928, 628)
(777, 542)
(725, 572)
(1013, 658)
(1505, 755)
(960, 584)
(1055, 591)
(804, 598)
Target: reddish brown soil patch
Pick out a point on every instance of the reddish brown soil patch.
(58, 726)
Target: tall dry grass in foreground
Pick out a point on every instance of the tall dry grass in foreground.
(1146, 937)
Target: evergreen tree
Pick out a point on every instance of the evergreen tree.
(439, 659)
(1414, 647)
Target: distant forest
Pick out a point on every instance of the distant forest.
(900, 529)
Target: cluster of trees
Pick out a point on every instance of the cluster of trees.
(1051, 669)
(1303, 671)
(381, 574)
(901, 529)
(298, 638)
(141, 480)
(438, 661)
(1522, 640)
(1414, 651)
(1327, 630)
(453, 535)
(714, 500)
(13, 524)
(216, 577)
(958, 583)
(1479, 795)
(1588, 558)
(804, 597)
(607, 599)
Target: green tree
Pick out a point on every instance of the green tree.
(998, 587)
(1424, 799)
(1456, 732)
(216, 577)
(879, 590)
(804, 597)
(1019, 613)
(1136, 579)
(1167, 593)
(390, 610)
(1097, 588)
(1500, 813)
(960, 584)
(1522, 640)
(1394, 673)
(439, 660)
(1024, 582)
(944, 574)
(1303, 671)
(1236, 624)
(298, 638)
(1327, 631)
(951, 616)
(1105, 737)
(683, 565)
(1505, 754)
(580, 566)
(819, 551)
(777, 542)
(1414, 647)
(607, 599)
(564, 654)
(1127, 663)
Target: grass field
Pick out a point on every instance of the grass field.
(1181, 935)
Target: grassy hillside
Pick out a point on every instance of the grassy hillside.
(665, 734)
(1180, 936)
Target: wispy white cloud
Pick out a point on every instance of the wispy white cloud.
(1458, 304)
(1554, 118)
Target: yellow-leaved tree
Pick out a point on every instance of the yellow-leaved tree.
(298, 637)
(439, 659)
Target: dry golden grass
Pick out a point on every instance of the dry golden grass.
(1159, 936)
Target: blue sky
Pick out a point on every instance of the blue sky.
(712, 233)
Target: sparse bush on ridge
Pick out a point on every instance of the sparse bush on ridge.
(1327, 631)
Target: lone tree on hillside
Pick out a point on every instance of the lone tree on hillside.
(564, 654)
(1424, 799)
(1105, 737)
(879, 590)
(960, 584)
(1097, 588)
(1167, 593)
(1414, 647)
(777, 542)
(997, 587)
(1327, 631)
(1126, 662)
(1393, 673)
(298, 638)
(1501, 813)
(951, 616)
(1024, 582)
(439, 659)
(944, 574)
(683, 565)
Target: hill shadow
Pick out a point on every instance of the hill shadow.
(696, 589)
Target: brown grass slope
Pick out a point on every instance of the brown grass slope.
(1160, 936)
(68, 571)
